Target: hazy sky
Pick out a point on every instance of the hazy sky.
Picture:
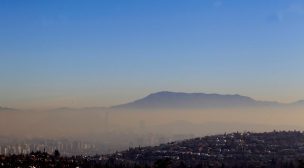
(99, 53)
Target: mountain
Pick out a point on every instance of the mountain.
(180, 100)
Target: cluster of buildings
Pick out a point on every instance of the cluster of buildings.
(270, 149)
(66, 147)
(106, 144)
(284, 148)
(43, 159)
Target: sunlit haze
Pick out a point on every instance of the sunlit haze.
(152, 83)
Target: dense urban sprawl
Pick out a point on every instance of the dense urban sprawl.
(271, 149)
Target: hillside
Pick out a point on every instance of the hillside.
(278, 149)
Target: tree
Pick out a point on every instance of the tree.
(56, 153)
(162, 163)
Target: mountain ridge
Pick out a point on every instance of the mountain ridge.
(167, 99)
(182, 100)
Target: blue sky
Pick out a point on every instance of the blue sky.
(99, 53)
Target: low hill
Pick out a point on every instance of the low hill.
(269, 149)
(3, 109)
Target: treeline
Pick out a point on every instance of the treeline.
(45, 160)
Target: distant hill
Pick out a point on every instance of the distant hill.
(2, 109)
(179, 100)
(299, 103)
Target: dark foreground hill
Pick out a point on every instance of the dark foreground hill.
(273, 149)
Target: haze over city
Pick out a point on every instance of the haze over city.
(98, 77)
